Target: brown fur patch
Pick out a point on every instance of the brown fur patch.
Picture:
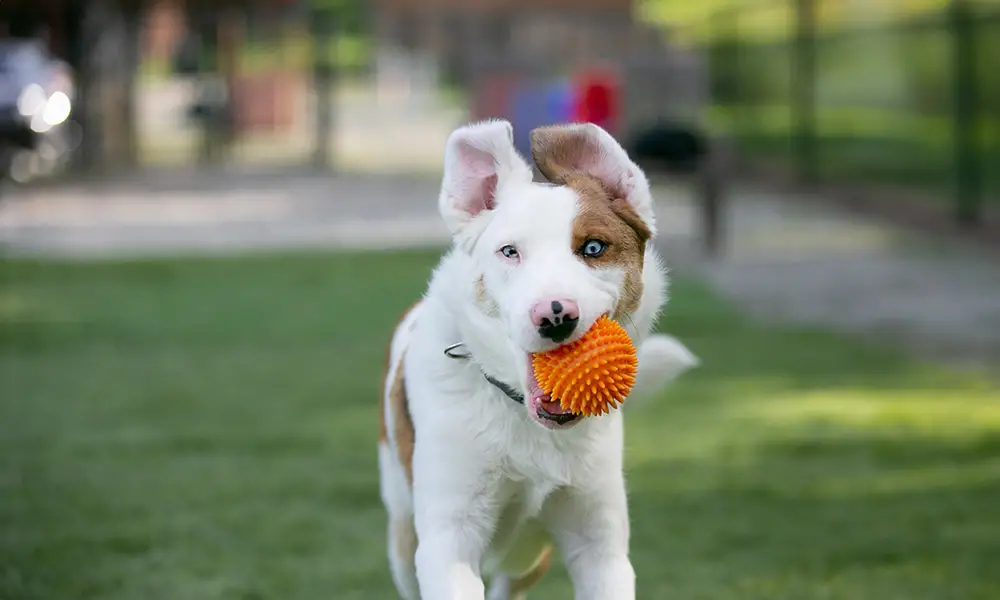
(484, 300)
(403, 433)
(383, 432)
(402, 430)
(404, 538)
(525, 581)
(613, 221)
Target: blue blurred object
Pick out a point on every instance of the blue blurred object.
(528, 111)
(538, 104)
(560, 97)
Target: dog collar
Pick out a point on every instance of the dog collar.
(454, 352)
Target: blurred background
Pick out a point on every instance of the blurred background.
(211, 214)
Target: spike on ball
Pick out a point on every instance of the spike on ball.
(592, 375)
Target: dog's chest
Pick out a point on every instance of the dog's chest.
(534, 468)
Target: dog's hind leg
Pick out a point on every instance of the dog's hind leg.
(402, 549)
(395, 455)
(402, 535)
(501, 588)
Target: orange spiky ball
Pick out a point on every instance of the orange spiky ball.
(592, 375)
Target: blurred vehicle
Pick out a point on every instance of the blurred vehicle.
(36, 99)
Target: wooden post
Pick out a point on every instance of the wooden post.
(131, 58)
(324, 80)
(968, 181)
(713, 179)
(230, 36)
(804, 91)
(87, 102)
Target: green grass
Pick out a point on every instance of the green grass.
(206, 429)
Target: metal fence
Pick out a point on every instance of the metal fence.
(866, 92)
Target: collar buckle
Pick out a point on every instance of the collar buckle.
(457, 352)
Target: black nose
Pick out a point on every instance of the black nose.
(558, 328)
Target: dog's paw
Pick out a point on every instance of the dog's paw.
(662, 359)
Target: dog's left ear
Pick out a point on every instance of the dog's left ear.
(561, 151)
(479, 159)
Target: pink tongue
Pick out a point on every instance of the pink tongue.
(552, 406)
(544, 400)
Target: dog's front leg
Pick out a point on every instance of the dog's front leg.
(455, 514)
(592, 530)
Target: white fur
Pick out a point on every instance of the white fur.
(491, 484)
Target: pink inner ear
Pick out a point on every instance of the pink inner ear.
(488, 191)
(480, 180)
(590, 158)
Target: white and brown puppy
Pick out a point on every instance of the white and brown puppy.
(479, 468)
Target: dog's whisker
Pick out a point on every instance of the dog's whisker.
(630, 321)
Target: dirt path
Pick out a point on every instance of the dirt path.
(803, 263)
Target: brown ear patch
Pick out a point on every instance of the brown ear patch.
(559, 152)
(613, 221)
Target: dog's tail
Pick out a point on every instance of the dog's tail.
(662, 359)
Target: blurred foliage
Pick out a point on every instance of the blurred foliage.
(856, 66)
(686, 14)
(884, 80)
(349, 14)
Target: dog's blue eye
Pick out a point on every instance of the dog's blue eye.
(509, 251)
(593, 248)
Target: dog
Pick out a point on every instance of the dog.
(482, 473)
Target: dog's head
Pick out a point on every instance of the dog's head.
(550, 258)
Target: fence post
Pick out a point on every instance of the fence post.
(724, 54)
(968, 191)
(324, 78)
(714, 172)
(132, 61)
(803, 106)
(90, 78)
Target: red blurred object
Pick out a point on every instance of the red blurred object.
(597, 98)
(266, 102)
(493, 97)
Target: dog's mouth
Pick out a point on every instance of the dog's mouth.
(544, 408)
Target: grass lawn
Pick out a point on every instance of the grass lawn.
(205, 429)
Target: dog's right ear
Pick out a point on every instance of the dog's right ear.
(479, 159)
